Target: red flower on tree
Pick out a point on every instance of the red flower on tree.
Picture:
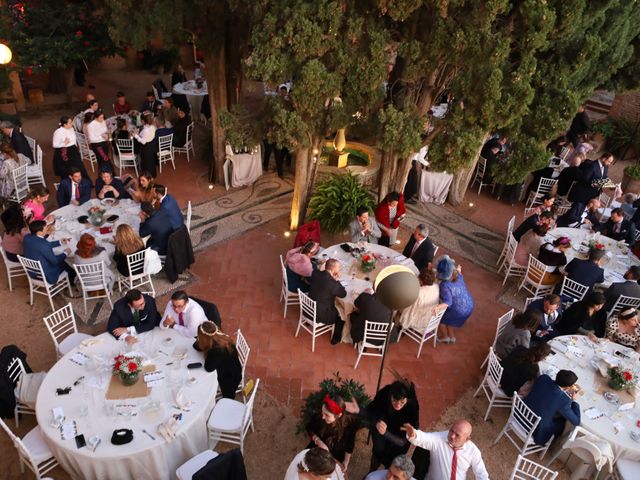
(79, 33)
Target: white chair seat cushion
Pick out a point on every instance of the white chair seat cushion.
(34, 442)
(226, 416)
(28, 387)
(33, 170)
(71, 342)
(628, 469)
(187, 469)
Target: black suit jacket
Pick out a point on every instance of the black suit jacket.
(63, 196)
(121, 316)
(20, 144)
(628, 288)
(583, 191)
(585, 272)
(370, 308)
(566, 178)
(324, 290)
(626, 233)
(158, 226)
(423, 255)
(575, 215)
(115, 183)
(530, 222)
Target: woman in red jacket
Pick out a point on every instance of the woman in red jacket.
(389, 214)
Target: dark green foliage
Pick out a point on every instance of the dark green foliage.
(624, 135)
(346, 388)
(335, 200)
(238, 126)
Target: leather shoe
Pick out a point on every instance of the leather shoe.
(335, 341)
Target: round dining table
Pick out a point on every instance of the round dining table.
(193, 93)
(618, 258)
(354, 280)
(94, 408)
(611, 415)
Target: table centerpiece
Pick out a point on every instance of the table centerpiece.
(96, 216)
(620, 379)
(367, 262)
(127, 368)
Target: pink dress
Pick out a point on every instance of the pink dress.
(36, 208)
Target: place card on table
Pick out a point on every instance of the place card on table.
(153, 379)
(593, 413)
(626, 406)
(68, 430)
(126, 409)
(577, 351)
(79, 358)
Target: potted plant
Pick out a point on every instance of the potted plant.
(127, 368)
(631, 179)
(602, 130)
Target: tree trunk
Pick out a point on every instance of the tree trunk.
(217, 87)
(461, 179)
(393, 174)
(305, 175)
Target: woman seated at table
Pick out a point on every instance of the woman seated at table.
(553, 256)
(33, 208)
(585, 317)
(547, 204)
(334, 429)
(15, 229)
(127, 241)
(146, 139)
(142, 190)
(299, 266)
(517, 333)
(453, 292)
(87, 251)
(98, 138)
(121, 107)
(426, 305)
(624, 329)
(313, 464)
(178, 76)
(530, 244)
(221, 356)
(121, 133)
(389, 214)
(9, 161)
(521, 368)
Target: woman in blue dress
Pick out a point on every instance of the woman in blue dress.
(453, 292)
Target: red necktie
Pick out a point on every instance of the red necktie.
(77, 191)
(454, 464)
(180, 319)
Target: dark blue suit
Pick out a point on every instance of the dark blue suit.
(583, 191)
(158, 226)
(115, 183)
(575, 215)
(170, 206)
(121, 316)
(585, 272)
(37, 248)
(530, 222)
(538, 306)
(626, 233)
(547, 400)
(64, 192)
(20, 144)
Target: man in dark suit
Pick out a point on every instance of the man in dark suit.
(180, 128)
(155, 223)
(368, 308)
(592, 170)
(325, 287)
(18, 141)
(107, 186)
(151, 104)
(545, 218)
(580, 125)
(587, 272)
(36, 247)
(628, 288)
(554, 402)
(170, 206)
(550, 309)
(618, 228)
(74, 189)
(419, 248)
(580, 214)
(134, 313)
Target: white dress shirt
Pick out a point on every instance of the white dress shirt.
(192, 316)
(61, 134)
(97, 132)
(469, 457)
(147, 134)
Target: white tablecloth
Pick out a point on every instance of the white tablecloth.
(355, 286)
(618, 259)
(242, 169)
(193, 93)
(580, 363)
(143, 458)
(434, 187)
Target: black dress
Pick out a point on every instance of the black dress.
(66, 157)
(516, 371)
(122, 265)
(227, 365)
(338, 445)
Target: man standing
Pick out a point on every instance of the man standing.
(592, 170)
(452, 452)
(36, 247)
(419, 248)
(401, 468)
(629, 288)
(18, 141)
(157, 225)
(183, 314)
(580, 125)
(74, 189)
(325, 288)
(134, 313)
(364, 228)
(170, 206)
(618, 228)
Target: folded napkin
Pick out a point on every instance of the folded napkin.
(90, 342)
(182, 401)
(169, 429)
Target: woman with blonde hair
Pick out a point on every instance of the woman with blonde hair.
(220, 356)
(127, 241)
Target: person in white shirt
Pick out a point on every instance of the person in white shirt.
(452, 452)
(65, 150)
(98, 138)
(183, 315)
(401, 468)
(148, 145)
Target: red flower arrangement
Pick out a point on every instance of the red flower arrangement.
(127, 368)
(367, 262)
(621, 379)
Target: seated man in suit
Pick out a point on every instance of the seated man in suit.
(151, 104)
(73, 190)
(364, 228)
(107, 186)
(544, 218)
(169, 205)
(36, 247)
(419, 248)
(183, 315)
(554, 402)
(368, 308)
(325, 287)
(161, 125)
(587, 272)
(629, 288)
(579, 215)
(18, 141)
(180, 126)
(132, 314)
(618, 228)
(156, 224)
(550, 306)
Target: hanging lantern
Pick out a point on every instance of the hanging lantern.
(5, 54)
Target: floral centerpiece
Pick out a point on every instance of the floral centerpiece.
(367, 262)
(621, 379)
(96, 216)
(595, 245)
(127, 368)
